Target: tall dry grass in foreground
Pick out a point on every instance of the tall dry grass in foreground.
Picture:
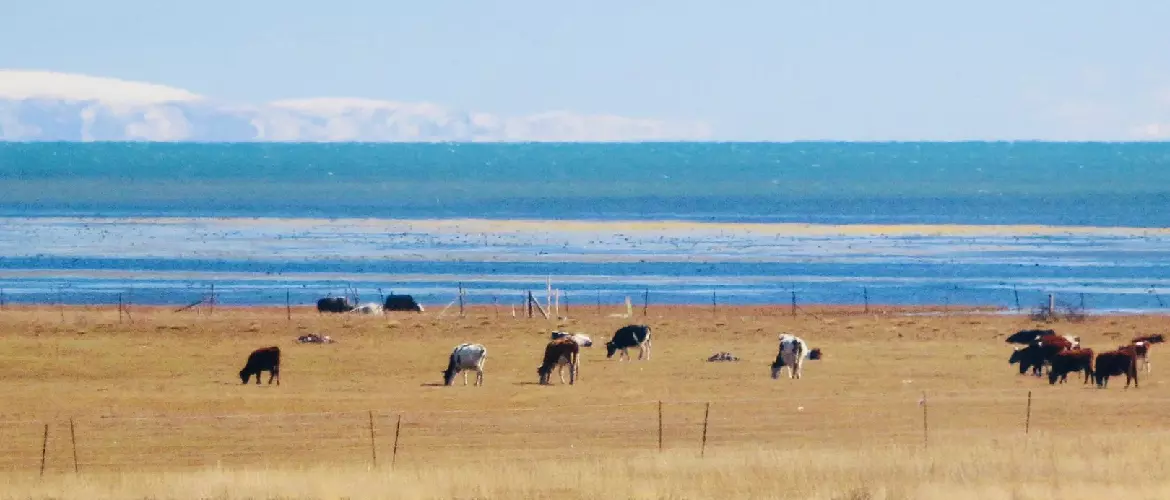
(1131, 466)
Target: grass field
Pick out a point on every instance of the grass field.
(158, 410)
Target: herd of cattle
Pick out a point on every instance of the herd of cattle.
(1041, 349)
(1062, 355)
(562, 351)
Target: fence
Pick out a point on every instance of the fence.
(387, 438)
(578, 300)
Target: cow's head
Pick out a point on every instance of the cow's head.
(449, 375)
(1017, 356)
(610, 349)
(815, 354)
(244, 376)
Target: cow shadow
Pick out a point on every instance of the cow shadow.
(432, 384)
(527, 383)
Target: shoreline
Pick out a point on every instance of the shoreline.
(587, 224)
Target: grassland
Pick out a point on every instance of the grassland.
(158, 410)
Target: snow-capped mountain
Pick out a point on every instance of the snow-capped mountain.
(47, 106)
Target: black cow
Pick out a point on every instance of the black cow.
(401, 303)
(1025, 337)
(630, 336)
(263, 359)
(334, 305)
(1123, 361)
(1028, 357)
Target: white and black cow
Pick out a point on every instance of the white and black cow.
(793, 352)
(466, 357)
(629, 336)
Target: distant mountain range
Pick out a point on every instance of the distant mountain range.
(47, 106)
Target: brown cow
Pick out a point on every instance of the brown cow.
(555, 353)
(1073, 360)
(1123, 361)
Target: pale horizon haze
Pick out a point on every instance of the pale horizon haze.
(750, 70)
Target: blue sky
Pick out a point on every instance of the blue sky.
(753, 70)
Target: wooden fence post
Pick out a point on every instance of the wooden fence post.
(397, 432)
(794, 303)
(73, 439)
(706, 417)
(659, 425)
(288, 304)
(44, 449)
(373, 442)
(865, 296)
(645, 301)
(119, 308)
(460, 299)
(1028, 415)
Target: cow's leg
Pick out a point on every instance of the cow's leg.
(479, 376)
(464, 378)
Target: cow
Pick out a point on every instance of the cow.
(1122, 361)
(465, 357)
(334, 305)
(629, 336)
(793, 352)
(559, 351)
(368, 308)
(1025, 337)
(263, 359)
(1142, 345)
(401, 303)
(580, 338)
(1040, 352)
(1028, 357)
(1072, 360)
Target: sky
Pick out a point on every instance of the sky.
(752, 70)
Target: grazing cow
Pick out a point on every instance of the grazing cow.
(1123, 361)
(1142, 345)
(793, 352)
(368, 308)
(629, 336)
(466, 357)
(334, 305)
(401, 303)
(261, 360)
(1025, 337)
(1072, 360)
(1028, 357)
(559, 351)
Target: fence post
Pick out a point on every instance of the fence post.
(1016, 292)
(119, 307)
(706, 417)
(1, 299)
(645, 301)
(211, 305)
(60, 305)
(397, 431)
(794, 303)
(373, 442)
(659, 425)
(288, 304)
(44, 449)
(599, 302)
(566, 303)
(714, 303)
(865, 296)
(925, 427)
(495, 306)
(460, 299)
(1028, 415)
(529, 303)
(73, 439)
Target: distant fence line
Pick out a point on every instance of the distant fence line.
(387, 438)
(582, 301)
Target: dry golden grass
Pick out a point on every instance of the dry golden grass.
(159, 411)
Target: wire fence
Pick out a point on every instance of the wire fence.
(389, 438)
(578, 300)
